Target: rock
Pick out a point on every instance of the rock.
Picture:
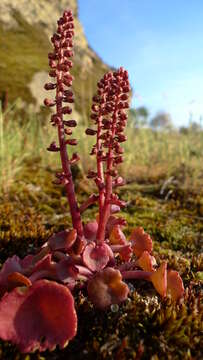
(25, 29)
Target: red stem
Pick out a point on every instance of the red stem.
(103, 219)
(70, 190)
(100, 170)
(136, 274)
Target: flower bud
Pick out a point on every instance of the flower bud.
(67, 99)
(68, 131)
(91, 174)
(121, 138)
(75, 158)
(118, 160)
(52, 56)
(125, 105)
(119, 149)
(71, 142)
(96, 99)
(52, 64)
(94, 151)
(68, 53)
(112, 172)
(95, 108)
(67, 81)
(124, 97)
(70, 123)
(55, 37)
(68, 13)
(66, 110)
(49, 86)
(90, 132)
(123, 116)
(68, 93)
(94, 116)
(49, 102)
(55, 119)
(52, 73)
(53, 147)
(126, 89)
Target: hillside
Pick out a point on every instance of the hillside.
(25, 29)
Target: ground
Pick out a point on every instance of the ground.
(144, 327)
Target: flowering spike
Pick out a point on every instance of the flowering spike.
(60, 69)
(109, 114)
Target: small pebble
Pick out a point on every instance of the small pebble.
(114, 308)
(131, 287)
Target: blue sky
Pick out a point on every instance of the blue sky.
(159, 42)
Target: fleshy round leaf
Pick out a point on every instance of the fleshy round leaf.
(17, 279)
(124, 251)
(66, 272)
(96, 257)
(159, 279)
(90, 230)
(141, 241)
(63, 240)
(11, 265)
(39, 318)
(112, 221)
(115, 209)
(175, 287)
(146, 261)
(117, 237)
(107, 288)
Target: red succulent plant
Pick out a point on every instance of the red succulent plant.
(38, 289)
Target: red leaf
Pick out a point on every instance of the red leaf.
(175, 287)
(141, 241)
(159, 279)
(90, 230)
(107, 288)
(112, 221)
(125, 251)
(11, 265)
(16, 279)
(63, 240)
(117, 237)
(39, 317)
(146, 261)
(96, 257)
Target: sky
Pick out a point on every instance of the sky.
(160, 43)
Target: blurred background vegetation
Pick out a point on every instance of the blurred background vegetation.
(155, 150)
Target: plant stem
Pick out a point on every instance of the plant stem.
(69, 186)
(100, 170)
(136, 274)
(105, 213)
